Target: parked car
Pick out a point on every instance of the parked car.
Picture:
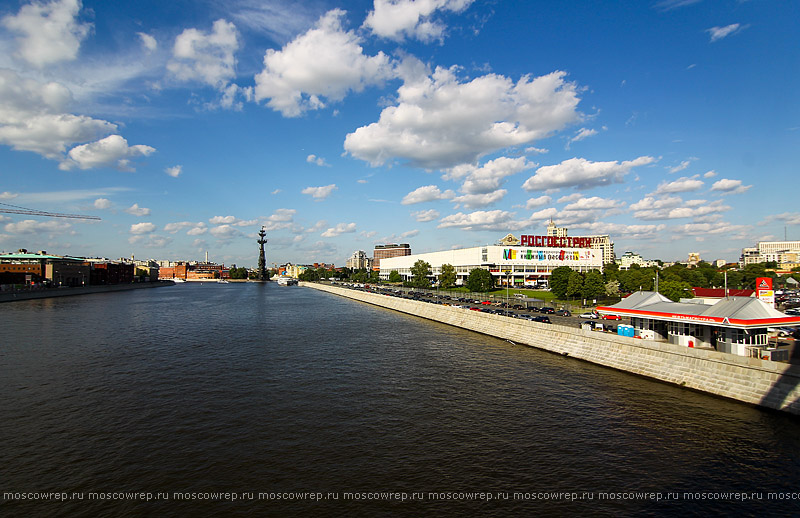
(563, 313)
(611, 317)
(588, 314)
(549, 311)
(542, 318)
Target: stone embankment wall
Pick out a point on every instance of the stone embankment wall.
(750, 380)
(12, 296)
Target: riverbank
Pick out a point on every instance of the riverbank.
(749, 380)
(13, 296)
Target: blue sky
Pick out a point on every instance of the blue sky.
(187, 125)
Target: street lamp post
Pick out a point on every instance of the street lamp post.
(507, 273)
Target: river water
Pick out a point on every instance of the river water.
(248, 400)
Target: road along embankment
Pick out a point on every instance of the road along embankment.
(765, 383)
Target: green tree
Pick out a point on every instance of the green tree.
(395, 277)
(575, 284)
(612, 288)
(675, 290)
(419, 274)
(480, 280)
(593, 285)
(447, 279)
(559, 281)
(374, 277)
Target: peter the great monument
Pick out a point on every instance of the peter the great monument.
(263, 276)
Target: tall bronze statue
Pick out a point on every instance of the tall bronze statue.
(262, 262)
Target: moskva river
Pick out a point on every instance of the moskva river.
(251, 400)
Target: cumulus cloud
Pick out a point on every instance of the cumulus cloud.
(480, 220)
(29, 226)
(48, 33)
(717, 33)
(142, 228)
(231, 220)
(225, 232)
(683, 184)
(206, 57)
(280, 219)
(112, 151)
(582, 174)
(326, 62)
(174, 171)
(102, 203)
(582, 134)
(398, 19)
(440, 122)
(148, 42)
(320, 193)
(727, 186)
(489, 177)
(425, 215)
(180, 225)
(534, 203)
(475, 201)
(136, 210)
(341, 228)
(710, 174)
(317, 160)
(672, 207)
(33, 117)
(680, 167)
(426, 193)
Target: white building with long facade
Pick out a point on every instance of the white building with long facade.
(528, 260)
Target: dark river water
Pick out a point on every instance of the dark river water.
(260, 400)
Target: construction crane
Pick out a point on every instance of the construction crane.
(33, 212)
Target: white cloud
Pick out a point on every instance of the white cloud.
(341, 228)
(710, 174)
(536, 150)
(480, 220)
(425, 215)
(180, 225)
(150, 240)
(570, 197)
(717, 33)
(489, 177)
(426, 193)
(280, 219)
(680, 167)
(48, 32)
(206, 57)
(317, 160)
(174, 171)
(672, 207)
(136, 210)
(440, 122)
(33, 117)
(29, 226)
(112, 151)
(142, 228)
(102, 203)
(6, 195)
(476, 201)
(148, 42)
(398, 19)
(231, 220)
(683, 184)
(533, 203)
(582, 133)
(727, 186)
(594, 203)
(324, 62)
(320, 193)
(582, 174)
